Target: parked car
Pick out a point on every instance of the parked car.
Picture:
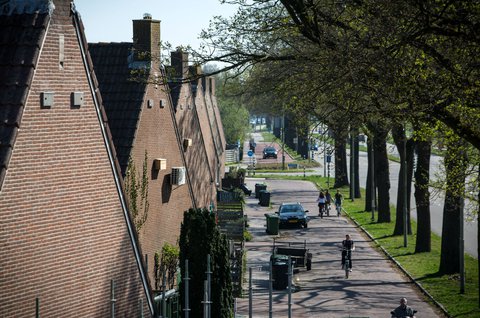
(269, 152)
(292, 213)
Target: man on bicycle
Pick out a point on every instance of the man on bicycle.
(403, 310)
(347, 247)
(328, 201)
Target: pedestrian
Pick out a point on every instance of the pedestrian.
(338, 202)
(403, 310)
(347, 245)
(328, 200)
(321, 203)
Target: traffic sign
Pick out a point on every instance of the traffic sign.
(329, 158)
(250, 153)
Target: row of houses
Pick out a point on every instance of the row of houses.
(86, 132)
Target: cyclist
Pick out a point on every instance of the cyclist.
(338, 202)
(328, 200)
(321, 203)
(347, 245)
(403, 310)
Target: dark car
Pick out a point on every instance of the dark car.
(292, 213)
(269, 152)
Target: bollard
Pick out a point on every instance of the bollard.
(37, 307)
(112, 298)
(186, 279)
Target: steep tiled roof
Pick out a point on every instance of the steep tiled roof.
(122, 97)
(20, 42)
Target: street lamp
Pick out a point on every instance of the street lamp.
(372, 178)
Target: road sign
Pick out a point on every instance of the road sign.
(329, 158)
(250, 153)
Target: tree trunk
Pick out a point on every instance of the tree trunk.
(405, 151)
(422, 196)
(382, 177)
(399, 138)
(368, 185)
(455, 167)
(341, 172)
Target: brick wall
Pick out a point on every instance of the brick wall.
(206, 129)
(63, 233)
(196, 155)
(156, 134)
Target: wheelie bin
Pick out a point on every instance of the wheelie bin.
(259, 187)
(272, 223)
(264, 199)
(279, 271)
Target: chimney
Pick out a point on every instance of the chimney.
(146, 40)
(179, 60)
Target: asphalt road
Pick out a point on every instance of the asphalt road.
(373, 289)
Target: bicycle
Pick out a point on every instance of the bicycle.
(346, 265)
(321, 209)
(328, 209)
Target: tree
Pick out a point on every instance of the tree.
(200, 236)
(235, 116)
(455, 165)
(422, 193)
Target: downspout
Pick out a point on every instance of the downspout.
(131, 231)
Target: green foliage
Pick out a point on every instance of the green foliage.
(200, 236)
(235, 117)
(247, 236)
(136, 188)
(169, 264)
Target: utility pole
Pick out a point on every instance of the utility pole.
(372, 178)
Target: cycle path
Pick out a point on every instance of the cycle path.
(373, 289)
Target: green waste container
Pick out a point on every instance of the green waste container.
(264, 199)
(272, 223)
(259, 187)
(279, 271)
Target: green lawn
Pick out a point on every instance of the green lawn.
(422, 267)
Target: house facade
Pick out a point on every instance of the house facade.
(148, 145)
(66, 235)
(192, 122)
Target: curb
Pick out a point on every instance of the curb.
(425, 292)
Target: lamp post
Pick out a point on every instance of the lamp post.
(372, 178)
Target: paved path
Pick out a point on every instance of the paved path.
(375, 285)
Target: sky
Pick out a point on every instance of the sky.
(181, 20)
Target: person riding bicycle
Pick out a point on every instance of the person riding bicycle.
(328, 200)
(338, 202)
(347, 245)
(321, 203)
(403, 310)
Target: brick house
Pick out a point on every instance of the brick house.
(65, 230)
(193, 124)
(142, 120)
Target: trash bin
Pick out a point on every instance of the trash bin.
(280, 271)
(272, 223)
(264, 198)
(258, 188)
